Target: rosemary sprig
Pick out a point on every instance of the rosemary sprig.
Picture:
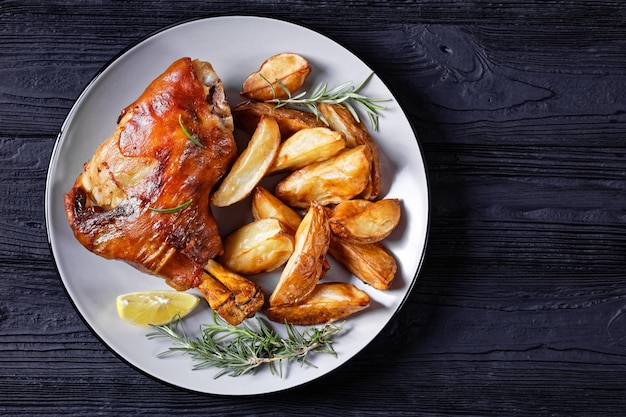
(186, 132)
(240, 350)
(345, 94)
(173, 209)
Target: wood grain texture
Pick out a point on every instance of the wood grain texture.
(520, 108)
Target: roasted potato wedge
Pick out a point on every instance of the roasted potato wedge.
(248, 114)
(364, 221)
(306, 264)
(328, 302)
(266, 205)
(260, 246)
(340, 119)
(251, 165)
(329, 182)
(315, 144)
(289, 69)
(369, 262)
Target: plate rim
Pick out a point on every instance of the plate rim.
(56, 149)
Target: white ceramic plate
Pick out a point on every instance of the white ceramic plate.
(235, 46)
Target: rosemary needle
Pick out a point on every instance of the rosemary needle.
(186, 132)
(240, 350)
(172, 209)
(345, 94)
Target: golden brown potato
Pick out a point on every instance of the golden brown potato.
(307, 146)
(248, 114)
(328, 302)
(265, 205)
(306, 264)
(251, 165)
(369, 262)
(364, 221)
(290, 69)
(329, 182)
(340, 119)
(260, 246)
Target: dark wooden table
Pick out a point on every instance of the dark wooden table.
(519, 309)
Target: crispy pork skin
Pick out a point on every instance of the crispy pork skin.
(149, 165)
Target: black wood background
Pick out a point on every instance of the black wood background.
(519, 310)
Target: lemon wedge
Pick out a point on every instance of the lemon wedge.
(147, 308)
